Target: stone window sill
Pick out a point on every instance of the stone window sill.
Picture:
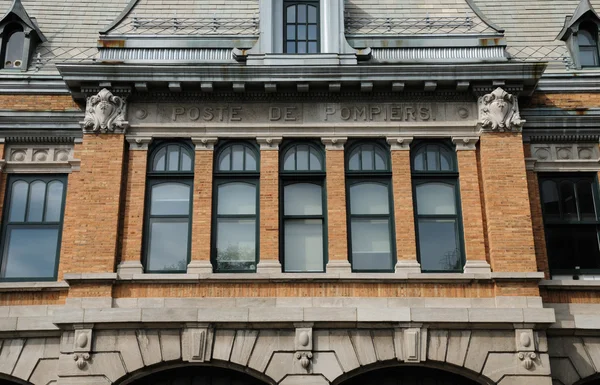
(570, 284)
(33, 286)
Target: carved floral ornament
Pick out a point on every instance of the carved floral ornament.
(499, 111)
(105, 112)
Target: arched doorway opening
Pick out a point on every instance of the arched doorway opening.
(408, 375)
(196, 375)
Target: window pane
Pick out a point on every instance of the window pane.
(302, 199)
(585, 201)
(225, 160)
(438, 245)
(354, 163)
(159, 160)
(236, 246)
(54, 200)
(289, 160)
(291, 32)
(14, 50)
(432, 158)
(550, 200)
(312, 14)
(291, 47)
(567, 198)
(237, 163)
(436, 199)
(312, 47)
(170, 199)
(168, 248)
(369, 198)
(173, 154)
(367, 158)
(371, 248)
(301, 13)
(27, 259)
(236, 198)
(302, 158)
(186, 160)
(303, 245)
(585, 38)
(446, 160)
(18, 201)
(419, 161)
(291, 14)
(301, 32)
(588, 56)
(250, 160)
(571, 246)
(379, 160)
(312, 32)
(315, 161)
(301, 47)
(37, 196)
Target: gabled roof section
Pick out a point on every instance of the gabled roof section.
(583, 10)
(18, 10)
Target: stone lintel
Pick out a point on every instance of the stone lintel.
(204, 144)
(139, 143)
(334, 143)
(465, 143)
(399, 143)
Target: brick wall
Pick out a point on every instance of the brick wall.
(202, 214)
(569, 101)
(336, 206)
(89, 238)
(269, 205)
(507, 210)
(406, 246)
(38, 103)
(133, 221)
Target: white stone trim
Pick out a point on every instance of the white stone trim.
(477, 267)
(204, 144)
(269, 143)
(39, 158)
(199, 267)
(399, 143)
(334, 143)
(128, 268)
(408, 267)
(339, 267)
(33, 286)
(564, 157)
(571, 284)
(138, 143)
(268, 267)
(465, 143)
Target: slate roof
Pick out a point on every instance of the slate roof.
(72, 28)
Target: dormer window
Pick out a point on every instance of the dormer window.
(587, 39)
(301, 27)
(12, 49)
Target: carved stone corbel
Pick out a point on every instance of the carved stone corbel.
(197, 341)
(526, 347)
(499, 111)
(304, 346)
(105, 112)
(82, 347)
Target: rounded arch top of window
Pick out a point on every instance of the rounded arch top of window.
(172, 157)
(368, 157)
(13, 51)
(587, 34)
(433, 158)
(303, 157)
(237, 157)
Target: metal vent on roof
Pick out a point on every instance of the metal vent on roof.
(441, 54)
(167, 55)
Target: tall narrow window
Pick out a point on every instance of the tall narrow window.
(370, 223)
(437, 208)
(235, 210)
(587, 39)
(570, 208)
(303, 218)
(168, 208)
(12, 51)
(32, 226)
(301, 27)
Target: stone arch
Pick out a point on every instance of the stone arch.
(10, 380)
(406, 374)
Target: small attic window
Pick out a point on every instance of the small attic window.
(587, 39)
(12, 50)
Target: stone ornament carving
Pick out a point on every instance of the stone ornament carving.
(465, 143)
(41, 158)
(105, 112)
(269, 143)
(525, 345)
(401, 143)
(82, 346)
(197, 340)
(499, 111)
(564, 157)
(205, 144)
(336, 143)
(304, 346)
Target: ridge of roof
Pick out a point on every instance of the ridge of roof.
(582, 9)
(18, 10)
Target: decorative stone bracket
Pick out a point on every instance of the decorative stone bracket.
(104, 113)
(197, 341)
(82, 347)
(526, 347)
(499, 112)
(413, 344)
(304, 346)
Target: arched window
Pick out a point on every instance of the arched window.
(437, 207)
(168, 208)
(587, 39)
(370, 213)
(303, 209)
(33, 211)
(235, 208)
(301, 26)
(13, 45)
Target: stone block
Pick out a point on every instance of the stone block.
(266, 344)
(511, 302)
(223, 344)
(400, 314)
(125, 303)
(363, 345)
(223, 315)
(32, 353)
(499, 365)
(281, 364)
(458, 344)
(169, 315)
(127, 343)
(438, 342)
(326, 364)
(439, 315)
(170, 345)
(483, 342)
(495, 315)
(383, 341)
(101, 364)
(10, 353)
(318, 314)
(150, 302)
(46, 372)
(149, 344)
(35, 323)
(111, 315)
(273, 314)
(340, 343)
(68, 316)
(28, 311)
(293, 302)
(255, 302)
(242, 346)
(563, 370)
(574, 349)
(8, 324)
(587, 321)
(533, 315)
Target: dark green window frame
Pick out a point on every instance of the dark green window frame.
(578, 222)
(362, 173)
(223, 177)
(295, 176)
(442, 175)
(293, 29)
(585, 46)
(8, 225)
(156, 177)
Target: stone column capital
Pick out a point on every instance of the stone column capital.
(204, 144)
(138, 143)
(399, 143)
(334, 143)
(269, 143)
(465, 143)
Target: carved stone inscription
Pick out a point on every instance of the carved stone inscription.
(301, 113)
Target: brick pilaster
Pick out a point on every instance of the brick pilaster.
(336, 206)
(406, 246)
(472, 210)
(202, 211)
(506, 200)
(89, 237)
(269, 206)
